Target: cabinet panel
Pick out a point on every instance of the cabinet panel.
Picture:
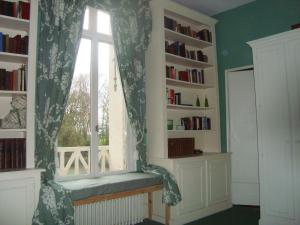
(17, 198)
(191, 181)
(274, 133)
(218, 180)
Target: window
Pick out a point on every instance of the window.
(92, 139)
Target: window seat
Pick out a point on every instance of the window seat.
(88, 191)
(86, 188)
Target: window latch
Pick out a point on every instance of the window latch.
(97, 128)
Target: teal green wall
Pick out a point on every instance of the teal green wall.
(238, 26)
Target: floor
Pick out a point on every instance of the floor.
(237, 215)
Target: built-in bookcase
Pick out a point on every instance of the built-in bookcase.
(186, 43)
(18, 71)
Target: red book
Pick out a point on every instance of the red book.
(7, 154)
(14, 9)
(23, 152)
(183, 75)
(171, 96)
(13, 153)
(17, 39)
(24, 9)
(2, 159)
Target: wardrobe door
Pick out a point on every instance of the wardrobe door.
(274, 133)
(293, 71)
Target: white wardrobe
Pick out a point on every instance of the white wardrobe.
(277, 84)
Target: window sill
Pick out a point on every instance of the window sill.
(85, 188)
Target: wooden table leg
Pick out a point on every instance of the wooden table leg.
(168, 214)
(150, 205)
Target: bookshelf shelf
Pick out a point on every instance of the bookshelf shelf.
(13, 57)
(176, 36)
(180, 83)
(14, 23)
(185, 107)
(12, 130)
(188, 131)
(12, 93)
(171, 58)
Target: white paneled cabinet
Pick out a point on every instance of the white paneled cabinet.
(19, 191)
(204, 183)
(192, 173)
(218, 178)
(277, 85)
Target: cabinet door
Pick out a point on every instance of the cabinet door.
(274, 131)
(218, 178)
(17, 201)
(191, 181)
(293, 72)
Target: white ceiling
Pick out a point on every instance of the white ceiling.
(212, 7)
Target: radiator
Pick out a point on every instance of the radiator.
(122, 211)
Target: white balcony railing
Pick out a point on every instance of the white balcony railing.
(76, 160)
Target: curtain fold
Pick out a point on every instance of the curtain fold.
(60, 31)
(59, 34)
(131, 28)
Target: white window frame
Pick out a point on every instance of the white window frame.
(129, 134)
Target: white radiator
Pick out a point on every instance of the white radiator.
(122, 211)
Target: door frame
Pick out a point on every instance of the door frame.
(248, 67)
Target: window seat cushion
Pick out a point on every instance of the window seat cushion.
(85, 188)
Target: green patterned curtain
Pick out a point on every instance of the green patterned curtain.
(59, 34)
(60, 31)
(131, 27)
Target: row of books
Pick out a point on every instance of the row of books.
(12, 153)
(172, 24)
(173, 98)
(189, 75)
(196, 123)
(18, 9)
(13, 80)
(179, 49)
(16, 44)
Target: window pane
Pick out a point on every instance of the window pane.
(110, 113)
(74, 135)
(103, 22)
(86, 19)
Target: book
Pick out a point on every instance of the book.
(1, 154)
(24, 10)
(16, 44)
(1, 42)
(18, 9)
(178, 98)
(12, 153)
(204, 35)
(196, 123)
(13, 80)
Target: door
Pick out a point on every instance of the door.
(242, 137)
(274, 133)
